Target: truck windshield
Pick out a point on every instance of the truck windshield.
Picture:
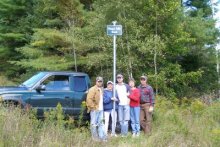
(33, 80)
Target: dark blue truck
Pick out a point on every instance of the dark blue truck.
(45, 90)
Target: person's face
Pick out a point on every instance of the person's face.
(110, 86)
(99, 83)
(143, 81)
(119, 79)
(131, 84)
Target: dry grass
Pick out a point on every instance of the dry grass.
(194, 125)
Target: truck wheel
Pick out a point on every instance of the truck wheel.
(11, 104)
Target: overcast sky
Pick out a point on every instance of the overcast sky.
(217, 17)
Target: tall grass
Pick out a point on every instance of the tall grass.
(190, 123)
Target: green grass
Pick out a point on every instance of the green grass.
(190, 124)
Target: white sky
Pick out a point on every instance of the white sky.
(217, 17)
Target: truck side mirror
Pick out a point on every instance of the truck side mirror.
(41, 88)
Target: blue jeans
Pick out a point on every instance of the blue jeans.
(96, 120)
(124, 117)
(135, 119)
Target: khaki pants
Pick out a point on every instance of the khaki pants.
(145, 118)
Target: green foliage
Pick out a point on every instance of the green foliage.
(175, 47)
(199, 6)
(15, 31)
(45, 51)
(58, 119)
(82, 112)
(197, 107)
(52, 44)
(55, 116)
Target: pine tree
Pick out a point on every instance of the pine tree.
(15, 31)
(201, 54)
(53, 42)
(174, 47)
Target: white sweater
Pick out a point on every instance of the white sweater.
(122, 94)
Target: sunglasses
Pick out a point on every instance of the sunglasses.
(119, 77)
(143, 79)
(100, 81)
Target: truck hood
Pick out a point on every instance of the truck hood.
(12, 88)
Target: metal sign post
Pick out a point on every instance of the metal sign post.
(114, 30)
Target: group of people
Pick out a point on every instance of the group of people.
(128, 103)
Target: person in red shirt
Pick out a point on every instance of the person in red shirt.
(134, 96)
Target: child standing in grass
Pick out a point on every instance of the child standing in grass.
(134, 108)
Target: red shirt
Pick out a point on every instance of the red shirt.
(134, 97)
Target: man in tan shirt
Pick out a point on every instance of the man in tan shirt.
(94, 102)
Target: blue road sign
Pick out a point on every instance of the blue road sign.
(114, 30)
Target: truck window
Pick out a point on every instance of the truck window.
(79, 84)
(57, 82)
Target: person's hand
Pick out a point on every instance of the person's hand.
(128, 94)
(114, 99)
(151, 109)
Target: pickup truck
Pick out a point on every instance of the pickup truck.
(45, 90)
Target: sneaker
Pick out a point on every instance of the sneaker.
(114, 135)
(137, 134)
(133, 135)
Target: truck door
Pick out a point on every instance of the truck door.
(80, 88)
(57, 90)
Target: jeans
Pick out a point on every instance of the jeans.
(124, 117)
(135, 119)
(106, 114)
(96, 120)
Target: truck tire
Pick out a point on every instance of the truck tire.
(11, 104)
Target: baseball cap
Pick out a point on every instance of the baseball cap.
(120, 75)
(99, 79)
(109, 82)
(143, 77)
